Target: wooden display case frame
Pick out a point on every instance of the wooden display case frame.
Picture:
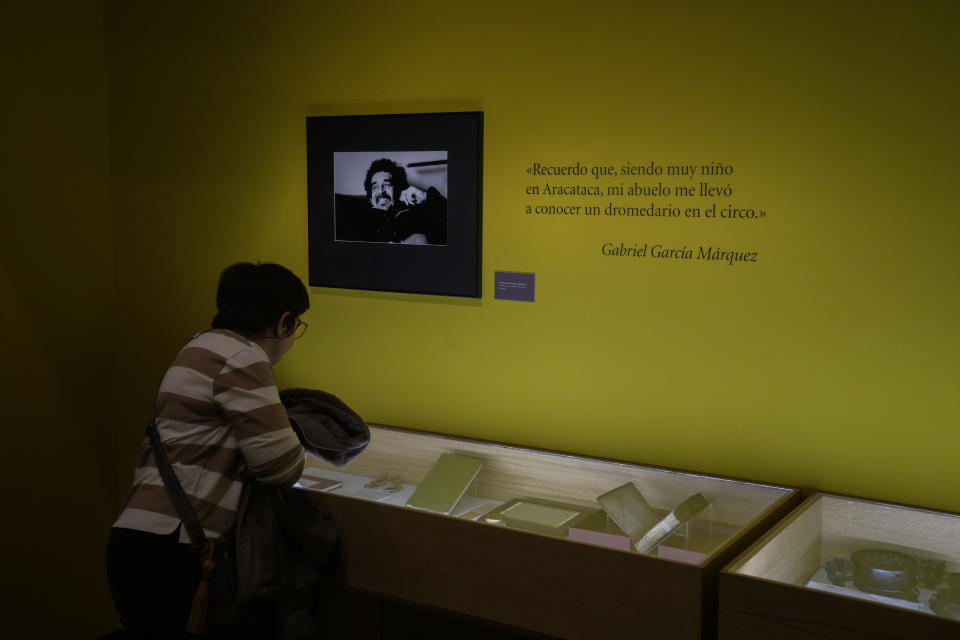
(762, 592)
(534, 582)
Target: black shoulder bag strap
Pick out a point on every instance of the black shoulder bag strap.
(175, 490)
(188, 516)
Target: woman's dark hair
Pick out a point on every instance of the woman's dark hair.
(398, 173)
(252, 297)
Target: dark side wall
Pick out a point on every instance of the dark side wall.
(57, 310)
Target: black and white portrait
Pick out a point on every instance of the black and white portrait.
(390, 196)
(394, 202)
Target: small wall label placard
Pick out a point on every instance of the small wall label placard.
(511, 285)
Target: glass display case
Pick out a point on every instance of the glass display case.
(556, 544)
(842, 567)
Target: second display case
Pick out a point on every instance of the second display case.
(842, 568)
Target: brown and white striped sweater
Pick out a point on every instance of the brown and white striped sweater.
(220, 419)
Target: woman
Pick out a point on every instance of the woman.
(220, 419)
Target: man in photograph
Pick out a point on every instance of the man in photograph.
(393, 210)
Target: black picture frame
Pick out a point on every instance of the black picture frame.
(352, 245)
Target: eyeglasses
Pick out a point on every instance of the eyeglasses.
(297, 332)
(300, 329)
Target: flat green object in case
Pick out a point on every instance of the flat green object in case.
(445, 483)
(627, 508)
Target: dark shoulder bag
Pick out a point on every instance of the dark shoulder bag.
(215, 600)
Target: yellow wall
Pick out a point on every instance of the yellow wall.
(830, 363)
(57, 303)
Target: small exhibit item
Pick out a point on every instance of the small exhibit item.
(320, 484)
(895, 578)
(627, 508)
(599, 538)
(821, 581)
(386, 483)
(684, 512)
(543, 516)
(680, 555)
(314, 480)
(885, 573)
(446, 483)
(509, 285)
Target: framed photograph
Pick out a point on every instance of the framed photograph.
(394, 202)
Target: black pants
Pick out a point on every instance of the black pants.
(152, 580)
